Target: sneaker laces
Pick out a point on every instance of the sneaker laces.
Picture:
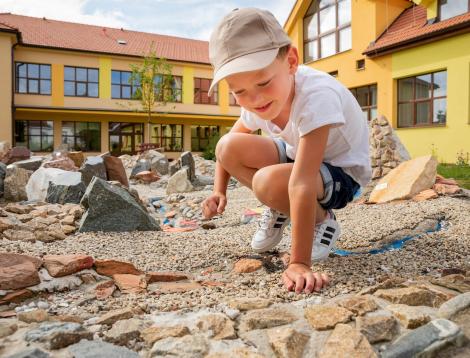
(266, 218)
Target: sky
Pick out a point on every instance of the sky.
(185, 18)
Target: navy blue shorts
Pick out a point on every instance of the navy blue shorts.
(339, 187)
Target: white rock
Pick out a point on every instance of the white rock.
(38, 183)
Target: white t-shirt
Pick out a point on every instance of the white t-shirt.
(321, 100)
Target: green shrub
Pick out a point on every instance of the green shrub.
(209, 152)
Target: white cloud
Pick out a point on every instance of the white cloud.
(66, 10)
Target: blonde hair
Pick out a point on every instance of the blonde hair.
(283, 51)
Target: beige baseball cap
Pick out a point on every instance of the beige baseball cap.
(245, 40)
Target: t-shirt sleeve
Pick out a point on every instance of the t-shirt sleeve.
(322, 107)
(248, 121)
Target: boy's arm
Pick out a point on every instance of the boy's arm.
(221, 175)
(303, 198)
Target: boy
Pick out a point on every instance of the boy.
(316, 154)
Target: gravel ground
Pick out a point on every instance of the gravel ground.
(217, 250)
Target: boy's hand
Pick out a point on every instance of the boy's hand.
(299, 277)
(213, 205)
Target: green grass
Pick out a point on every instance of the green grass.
(461, 173)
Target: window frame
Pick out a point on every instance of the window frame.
(75, 82)
(27, 78)
(415, 101)
(335, 31)
(369, 106)
(27, 135)
(198, 138)
(133, 87)
(163, 140)
(232, 101)
(213, 100)
(439, 11)
(76, 135)
(166, 88)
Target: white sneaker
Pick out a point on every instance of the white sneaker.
(270, 228)
(326, 235)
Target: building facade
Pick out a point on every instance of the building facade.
(67, 85)
(407, 60)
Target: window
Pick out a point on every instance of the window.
(451, 8)
(84, 136)
(125, 138)
(201, 136)
(366, 96)
(121, 86)
(422, 100)
(80, 81)
(327, 29)
(361, 64)
(201, 89)
(333, 73)
(168, 136)
(171, 89)
(33, 78)
(232, 100)
(38, 136)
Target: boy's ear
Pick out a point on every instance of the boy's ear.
(292, 59)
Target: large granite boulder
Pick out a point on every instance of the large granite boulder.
(113, 208)
(185, 161)
(158, 161)
(38, 184)
(15, 183)
(64, 194)
(3, 173)
(32, 163)
(93, 167)
(142, 165)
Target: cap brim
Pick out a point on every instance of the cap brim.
(251, 62)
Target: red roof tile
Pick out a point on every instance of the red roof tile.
(43, 32)
(411, 27)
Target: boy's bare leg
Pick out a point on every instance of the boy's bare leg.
(254, 161)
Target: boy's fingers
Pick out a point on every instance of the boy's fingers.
(318, 281)
(299, 284)
(288, 283)
(309, 283)
(221, 207)
(212, 207)
(325, 279)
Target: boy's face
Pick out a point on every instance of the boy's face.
(266, 91)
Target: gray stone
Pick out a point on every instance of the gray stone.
(195, 346)
(142, 165)
(158, 161)
(15, 183)
(63, 194)
(377, 328)
(425, 340)
(30, 353)
(287, 342)
(345, 341)
(3, 172)
(412, 316)
(93, 167)
(266, 318)
(187, 161)
(113, 208)
(58, 335)
(123, 331)
(203, 180)
(30, 164)
(99, 349)
(450, 308)
(179, 183)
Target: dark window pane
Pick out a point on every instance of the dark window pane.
(68, 128)
(69, 88)
(116, 91)
(423, 87)
(405, 115)
(81, 74)
(33, 70)
(22, 85)
(34, 128)
(80, 127)
(69, 73)
(423, 112)
(116, 77)
(34, 143)
(21, 69)
(93, 75)
(440, 84)
(440, 111)
(345, 40)
(46, 72)
(328, 45)
(45, 86)
(344, 12)
(405, 89)
(311, 27)
(373, 95)
(33, 86)
(47, 144)
(81, 89)
(363, 96)
(93, 89)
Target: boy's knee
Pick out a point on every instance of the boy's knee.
(259, 184)
(225, 147)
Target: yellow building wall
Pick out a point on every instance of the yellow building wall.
(6, 41)
(453, 55)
